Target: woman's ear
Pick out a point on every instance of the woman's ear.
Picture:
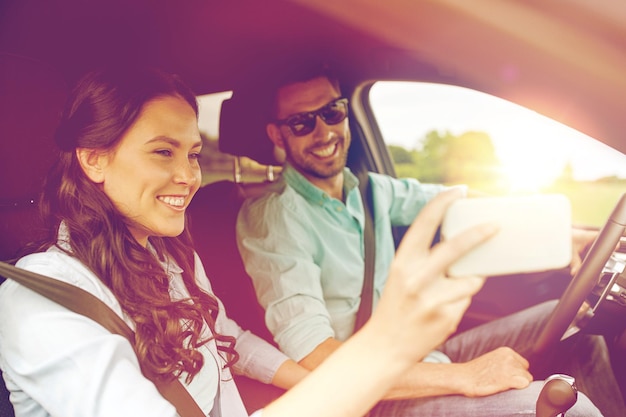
(273, 132)
(93, 162)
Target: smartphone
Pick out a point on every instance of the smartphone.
(535, 234)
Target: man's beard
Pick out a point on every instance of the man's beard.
(317, 169)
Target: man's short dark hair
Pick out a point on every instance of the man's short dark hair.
(301, 71)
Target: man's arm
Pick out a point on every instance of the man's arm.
(289, 374)
(277, 249)
(493, 372)
(321, 352)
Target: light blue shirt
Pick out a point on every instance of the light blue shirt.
(304, 252)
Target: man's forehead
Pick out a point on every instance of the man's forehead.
(305, 96)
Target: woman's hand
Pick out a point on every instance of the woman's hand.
(420, 307)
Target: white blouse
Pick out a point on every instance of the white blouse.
(59, 363)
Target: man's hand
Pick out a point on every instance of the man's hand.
(581, 241)
(495, 371)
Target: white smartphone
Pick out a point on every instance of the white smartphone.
(535, 234)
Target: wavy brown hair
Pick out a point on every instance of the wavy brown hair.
(102, 106)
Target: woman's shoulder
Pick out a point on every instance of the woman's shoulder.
(57, 264)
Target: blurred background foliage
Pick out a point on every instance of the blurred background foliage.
(471, 159)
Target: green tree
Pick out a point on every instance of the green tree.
(471, 159)
(430, 158)
(445, 158)
(400, 155)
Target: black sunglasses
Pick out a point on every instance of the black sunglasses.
(304, 123)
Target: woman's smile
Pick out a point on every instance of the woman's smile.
(173, 201)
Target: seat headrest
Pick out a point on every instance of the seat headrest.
(242, 128)
(33, 97)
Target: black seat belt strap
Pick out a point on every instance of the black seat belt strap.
(82, 302)
(367, 292)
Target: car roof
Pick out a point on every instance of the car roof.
(563, 59)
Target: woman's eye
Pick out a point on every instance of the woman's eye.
(194, 155)
(163, 152)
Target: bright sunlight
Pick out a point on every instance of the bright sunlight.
(533, 150)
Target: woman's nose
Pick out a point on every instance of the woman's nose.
(187, 172)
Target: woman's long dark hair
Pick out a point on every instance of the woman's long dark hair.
(102, 106)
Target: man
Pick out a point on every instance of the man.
(302, 244)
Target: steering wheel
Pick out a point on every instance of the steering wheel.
(564, 316)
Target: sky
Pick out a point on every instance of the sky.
(534, 149)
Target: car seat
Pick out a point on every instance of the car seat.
(33, 96)
(212, 218)
(212, 213)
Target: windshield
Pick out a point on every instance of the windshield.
(447, 134)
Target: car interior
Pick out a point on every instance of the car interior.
(562, 61)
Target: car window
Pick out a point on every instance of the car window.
(217, 165)
(447, 134)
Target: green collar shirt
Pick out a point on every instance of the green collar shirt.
(304, 252)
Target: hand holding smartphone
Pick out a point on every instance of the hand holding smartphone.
(535, 234)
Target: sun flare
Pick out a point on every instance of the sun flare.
(520, 178)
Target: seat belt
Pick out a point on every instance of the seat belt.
(82, 302)
(369, 251)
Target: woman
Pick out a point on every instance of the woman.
(115, 202)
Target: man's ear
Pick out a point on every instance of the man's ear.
(93, 162)
(273, 132)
